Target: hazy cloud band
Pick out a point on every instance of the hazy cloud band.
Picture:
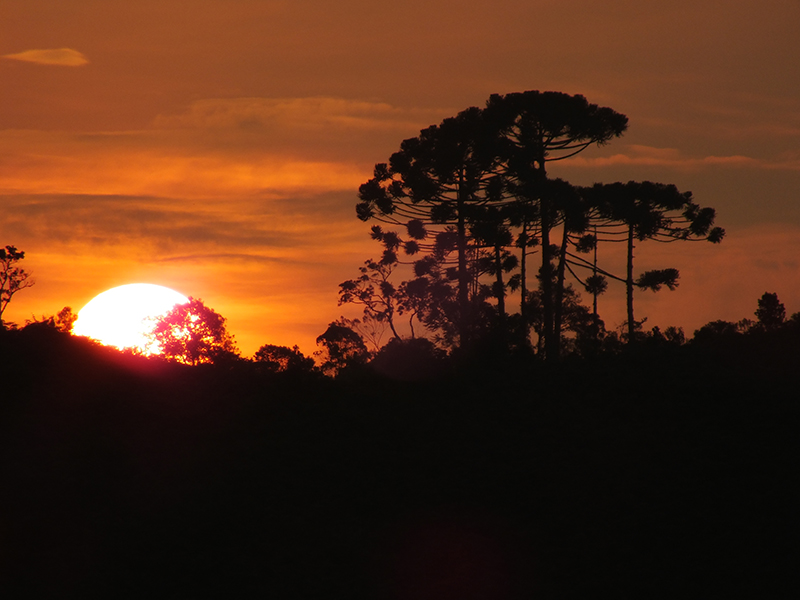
(63, 57)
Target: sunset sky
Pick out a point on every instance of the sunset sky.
(216, 146)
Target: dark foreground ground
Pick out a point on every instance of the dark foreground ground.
(652, 474)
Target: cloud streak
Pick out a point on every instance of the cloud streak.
(318, 127)
(672, 158)
(295, 114)
(62, 57)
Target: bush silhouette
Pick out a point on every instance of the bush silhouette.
(412, 359)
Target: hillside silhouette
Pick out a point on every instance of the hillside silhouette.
(501, 445)
(661, 470)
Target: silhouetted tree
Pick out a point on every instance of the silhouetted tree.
(580, 330)
(576, 215)
(771, 312)
(341, 348)
(431, 299)
(475, 177)
(639, 211)
(432, 188)
(368, 327)
(280, 359)
(409, 359)
(13, 278)
(65, 319)
(476, 186)
(192, 334)
(492, 237)
(670, 336)
(374, 291)
(62, 322)
(719, 331)
(537, 128)
(596, 284)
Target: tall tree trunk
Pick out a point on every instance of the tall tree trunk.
(390, 318)
(629, 285)
(523, 270)
(501, 290)
(558, 303)
(594, 273)
(546, 280)
(546, 271)
(463, 275)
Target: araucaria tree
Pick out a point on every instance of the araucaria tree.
(638, 211)
(193, 334)
(536, 128)
(434, 188)
(13, 278)
(470, 200)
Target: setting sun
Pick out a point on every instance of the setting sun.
(122, 316)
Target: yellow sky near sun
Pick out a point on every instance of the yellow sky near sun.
(219, 151)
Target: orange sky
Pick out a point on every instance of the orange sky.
(216, 147)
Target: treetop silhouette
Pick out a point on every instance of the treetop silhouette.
(341, 348)
(639, 211)
(771, 312)
(13, 278)
(193, 334)
(281, 359)
(459, 187)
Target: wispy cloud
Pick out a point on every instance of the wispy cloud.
(321, 127)
(675, 159)
(63, 57)
(297, 113)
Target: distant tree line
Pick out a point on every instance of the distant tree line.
(193, 334)
(770, 317)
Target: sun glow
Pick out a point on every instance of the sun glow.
(123, 316)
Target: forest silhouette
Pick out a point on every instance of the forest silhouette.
(482, 451)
